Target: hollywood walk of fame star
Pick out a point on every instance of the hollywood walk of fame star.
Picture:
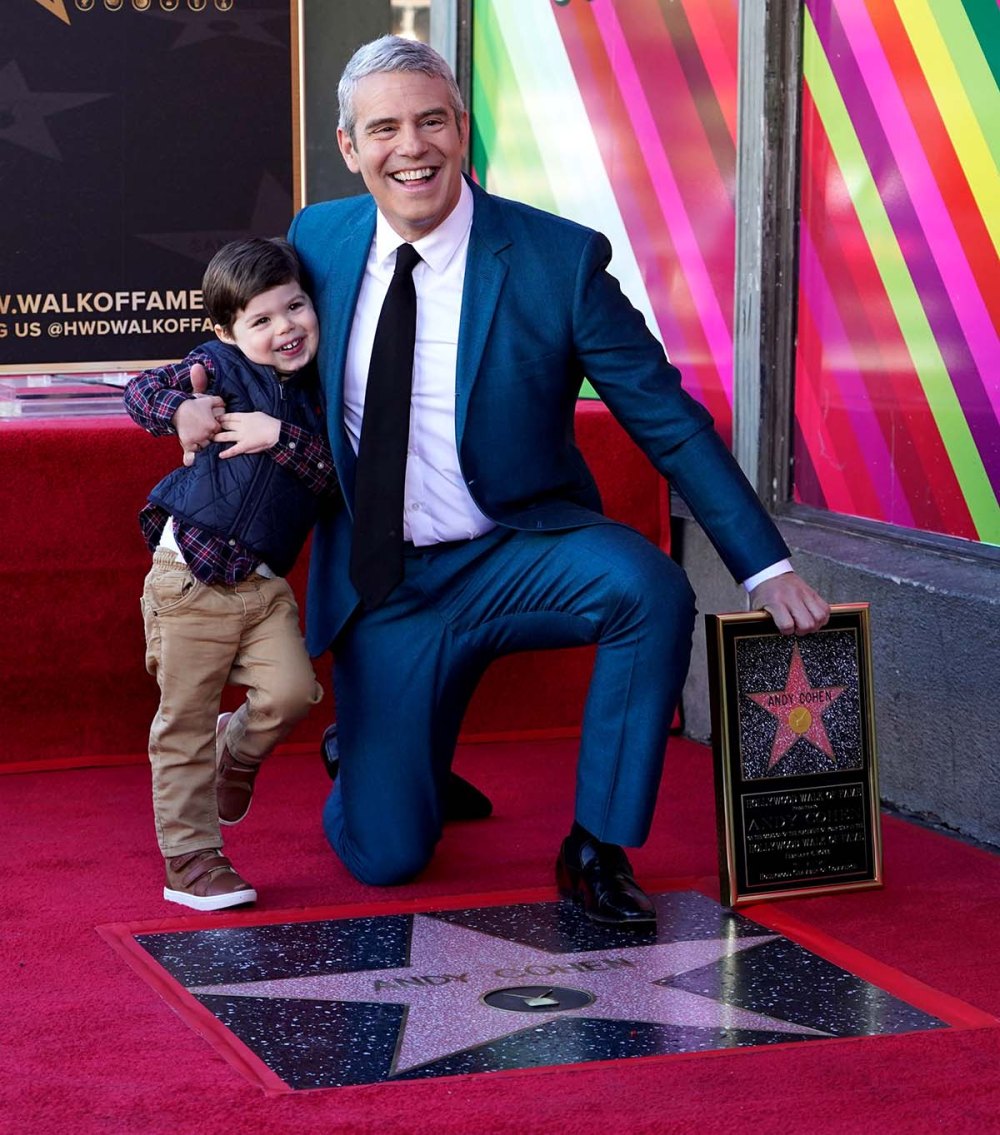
(23, 112)
(453, 969)
(799, 709)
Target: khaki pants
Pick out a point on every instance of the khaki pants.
(199, 637)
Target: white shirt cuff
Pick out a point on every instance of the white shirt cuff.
(779, 568)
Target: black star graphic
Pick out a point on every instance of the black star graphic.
(23, 112)
(234, 24)
(273, 200)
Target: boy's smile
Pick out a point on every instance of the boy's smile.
(277, 328)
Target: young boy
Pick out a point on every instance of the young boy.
(225, 528)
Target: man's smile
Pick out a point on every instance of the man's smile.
(411, 175)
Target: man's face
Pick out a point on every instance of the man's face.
(408, 148)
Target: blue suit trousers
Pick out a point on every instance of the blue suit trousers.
(404, 674)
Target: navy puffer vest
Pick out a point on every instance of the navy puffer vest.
(249, 500)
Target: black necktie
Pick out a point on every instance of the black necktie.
(377, 544)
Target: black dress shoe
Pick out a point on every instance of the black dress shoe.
(599, 876)
(462, 800)
(328, 751)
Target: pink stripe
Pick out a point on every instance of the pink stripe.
(836, 493)
(713, 53)
(921, 185)
(665, 284)
(853, 392)
(717, 333)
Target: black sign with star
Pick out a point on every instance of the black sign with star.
(135, 140)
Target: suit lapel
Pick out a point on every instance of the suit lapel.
(485, 271)
(348, 256)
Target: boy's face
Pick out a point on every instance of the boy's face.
(277, 328)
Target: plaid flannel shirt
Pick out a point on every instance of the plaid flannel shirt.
(151, 399)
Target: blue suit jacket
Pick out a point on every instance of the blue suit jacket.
(539, 313)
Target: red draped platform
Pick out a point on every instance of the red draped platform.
(73, 688)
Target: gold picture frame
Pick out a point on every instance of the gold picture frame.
(795, 755)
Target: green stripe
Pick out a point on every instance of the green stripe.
(907, 308)
(512, 152)
(478, 165)
(984, 16)
(978, 81)
(481, 131)
(483, 81)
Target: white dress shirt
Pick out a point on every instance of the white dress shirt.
(437, 505)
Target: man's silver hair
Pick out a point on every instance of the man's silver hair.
(392, 53)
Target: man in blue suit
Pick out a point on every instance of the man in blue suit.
(504, 546)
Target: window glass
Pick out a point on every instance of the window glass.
(621, 114)
(897, 381)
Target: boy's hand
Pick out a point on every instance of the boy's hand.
(250, 433)
(791, 603)
(196, 421)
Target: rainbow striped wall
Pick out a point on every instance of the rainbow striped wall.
(569, 114)
(898, 367)
(622, 115)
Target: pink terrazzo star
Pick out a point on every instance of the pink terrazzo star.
(452, 968)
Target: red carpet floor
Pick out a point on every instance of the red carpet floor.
(88, 1047)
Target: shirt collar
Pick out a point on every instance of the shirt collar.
(439, 246)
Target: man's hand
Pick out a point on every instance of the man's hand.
(250, 433)
(791, 603)
(196, 421)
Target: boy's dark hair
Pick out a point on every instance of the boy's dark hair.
(243, 269)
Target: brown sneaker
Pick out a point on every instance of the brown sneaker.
(233, 780)
(205, 880)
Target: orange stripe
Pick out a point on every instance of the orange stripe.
(941, 154)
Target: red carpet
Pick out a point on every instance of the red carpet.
(89, 1047)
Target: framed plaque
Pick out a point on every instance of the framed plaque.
(796, 770)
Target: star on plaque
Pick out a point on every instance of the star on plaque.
(799, 709)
